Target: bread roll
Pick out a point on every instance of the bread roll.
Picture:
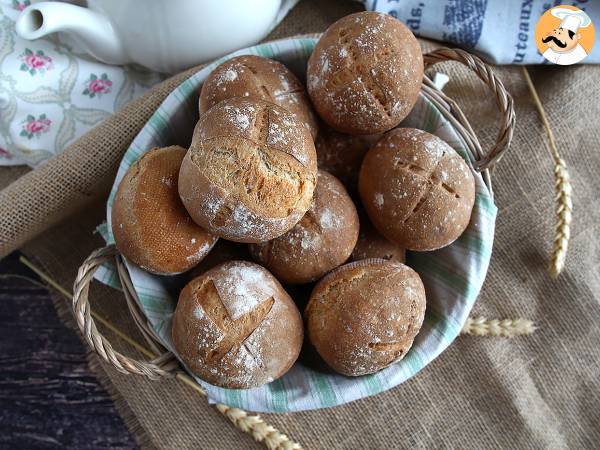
(150, 224)
(364, 316)
(235, 326)
(320, 242)
(365, 73)
(341, 154)
(417, 191)
(255, 77)
(250, 173)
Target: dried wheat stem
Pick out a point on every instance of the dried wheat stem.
(481, 326)
(562, 186)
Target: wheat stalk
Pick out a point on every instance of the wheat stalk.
(481, 326)
(562, 187)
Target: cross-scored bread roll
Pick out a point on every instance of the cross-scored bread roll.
(321, 241)
(418, 192)
(364, 316)
(150, 224)
(365, 73)
(236, 327)
(255, 77)
(250, 172)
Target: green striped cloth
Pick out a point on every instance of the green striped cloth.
(453, 276)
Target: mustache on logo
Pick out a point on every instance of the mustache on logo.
(555, 40)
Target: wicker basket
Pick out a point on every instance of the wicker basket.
(166, 364)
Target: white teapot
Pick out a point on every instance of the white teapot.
(163, 35)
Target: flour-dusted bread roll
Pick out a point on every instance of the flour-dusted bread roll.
(150, 224)
(365, 73)
(418, 192)
(321, 241)
(235, 326)
(255, 77)
(364, 316)
(250, 172)
(371, 244)
(341, 154)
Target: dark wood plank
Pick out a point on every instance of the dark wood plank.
(48, 396)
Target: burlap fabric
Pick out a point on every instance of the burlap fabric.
(540, 391)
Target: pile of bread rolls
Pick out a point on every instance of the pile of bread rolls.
(307, 192)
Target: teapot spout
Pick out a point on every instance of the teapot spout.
(93, 30)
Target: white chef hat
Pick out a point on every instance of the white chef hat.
(570, 19)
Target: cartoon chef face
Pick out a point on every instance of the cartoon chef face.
(561, 40)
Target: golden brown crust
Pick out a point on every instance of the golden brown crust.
(150, 224)
(255, 77)
(365, 73)
(236, 327)
(364, 316)
(418, 192)
(321, 241)
(250, 172)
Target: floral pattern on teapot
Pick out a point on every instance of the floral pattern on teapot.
(34, 63)
(97, 86)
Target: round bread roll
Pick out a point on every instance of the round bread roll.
(341, 154)
(364, 316)
(418, 192)
(250, 172)
(365, 73)
(255, 77)
(370, 244)
(150, 224)
(320, 242)
(235, 326)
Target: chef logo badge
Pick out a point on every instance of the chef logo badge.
(564, 35)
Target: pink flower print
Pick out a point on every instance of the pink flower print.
(33, 63)
(35, 127)
(20, 6)
(95, 86)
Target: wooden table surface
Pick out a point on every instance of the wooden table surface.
(49, 398)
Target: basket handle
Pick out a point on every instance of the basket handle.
(504, 101)
(161, 366)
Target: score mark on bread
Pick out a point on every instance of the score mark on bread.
(234, 332)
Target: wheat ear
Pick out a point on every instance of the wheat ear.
(562, 187)
(480, 326)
